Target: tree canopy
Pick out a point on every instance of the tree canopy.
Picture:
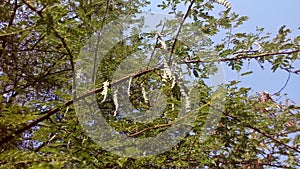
(70, 68)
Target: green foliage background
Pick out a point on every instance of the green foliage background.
(41, 41)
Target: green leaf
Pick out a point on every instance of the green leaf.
(247, 73)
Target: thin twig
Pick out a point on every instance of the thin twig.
(264, 134)
(62, 39)
(32, 8)
(286, 83)
(152, 54)
(168, 124)
(240, 56)
(98, 40)
(179, 29)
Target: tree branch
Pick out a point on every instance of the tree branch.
(68, 103)
(166, 125)
(179, 29)
(264, 134)
(62, 39)
(242, 56)
(32, 8)
(98, 39)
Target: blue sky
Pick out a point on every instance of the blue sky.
(270, 14)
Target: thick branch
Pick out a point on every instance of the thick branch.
(68, 103)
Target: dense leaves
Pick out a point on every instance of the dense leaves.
(42, 41)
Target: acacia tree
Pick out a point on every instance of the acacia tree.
(42, 44)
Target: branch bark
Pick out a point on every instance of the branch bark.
(68, 103)
(242, 55)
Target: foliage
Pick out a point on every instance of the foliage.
(42, 40)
